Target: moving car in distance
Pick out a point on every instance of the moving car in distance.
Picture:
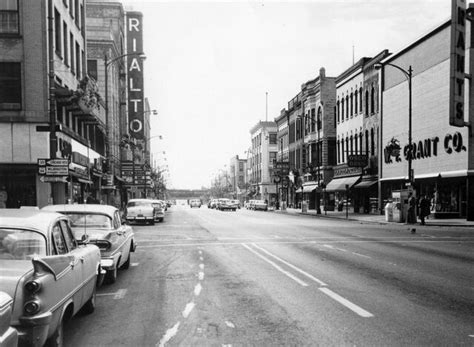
(236, 203)
(49, 275)
(260, 205)
(160, 208)
(140, 211)
(195, 203)
(102, 226)
(212, 203)
(225, 204)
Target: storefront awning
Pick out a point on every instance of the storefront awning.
(339, 184)
(299, 190)
(364, 184)
(84, 181)
(308, 188)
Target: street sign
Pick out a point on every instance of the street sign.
(52, 179)
(357, 160)
(53, 167)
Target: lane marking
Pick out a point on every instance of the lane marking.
(170, 333)
(353, 307)
(332, 247)
(197, 289)
(201, 258)
(291, 265)
(201, 275)
(230, 324)
(294, 278)
(361, 255)
(134, 264)
(200, 252)
(119, 294)
(188, 309)
(201, 266)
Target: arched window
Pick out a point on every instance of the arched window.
(366, 102)
(347, 146)
(347, 106)
(313, 120)
(360, 99)
(355, 102)
(338, 151)
(372, 100)
(338, 110)
(342, 109)
(361, 139)
(372, 142)
(320, 118)
(352, 145)
(367, 142)
(342, 151)
(352, 104)
(356, 144)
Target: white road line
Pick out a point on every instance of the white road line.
(201, 275)
(200, 252)
(294, 278)
(188, 309)
(361, 255)
(201, 258)
(230, 324)
(134, 264)
(357, 309)
(119, 294)
(277, 237)
(291, 265)
(170, 333)
(197, 289)
(201, 266)
(332, 247)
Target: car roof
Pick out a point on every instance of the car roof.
(28, 218)
(85, 208)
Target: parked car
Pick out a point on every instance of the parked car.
(251, 204)
(49, 275)
(195, 203)
(225, 204)
(102, 226)
(236, 203)
(8, 335)
(260, 205)
(140, 211)
(212, 203)
(160, 208)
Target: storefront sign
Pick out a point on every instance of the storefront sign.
(347, 171)
(457, 70)
(80, 159)
(135, 74)
(424, 149)
(357, 160)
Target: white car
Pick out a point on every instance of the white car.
(160, 208)
(141, 211)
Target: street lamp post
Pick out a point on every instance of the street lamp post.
(408, 75)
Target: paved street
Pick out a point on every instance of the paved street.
(206, 277)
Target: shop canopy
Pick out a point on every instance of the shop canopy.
(339, 184)
(308, 188)
(367, 183)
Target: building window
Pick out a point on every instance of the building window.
(338, 151)
(78, 61)
(360, 99)
(319, 120)
(347, 146)
(10, 86)
(372, 101)
(352, 104)
(273, 138)
(71, 44)
(347, 106)
(361, 141)
(352, 145)
(367, 142)
(367, 103)
(338, 111)
(9, 17)
(372, 142)
(65, 44)
(342, 109)
(57, 32)
(355, 102)
(356, 144)
(342, 151)
(76, 12)
(273, 157)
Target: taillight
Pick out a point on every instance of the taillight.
(102, 244)
(32, 287)
(31, 307)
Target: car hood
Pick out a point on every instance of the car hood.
(11, 272)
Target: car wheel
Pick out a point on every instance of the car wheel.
(111, 276)
(152, 222)
(89, 306)
(56, 340)
(126, 265)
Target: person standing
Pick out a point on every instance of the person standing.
(411, 215)
(424, 206)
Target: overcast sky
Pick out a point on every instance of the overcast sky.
(209, 65)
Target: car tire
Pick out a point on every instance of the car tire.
(111, 276)
(126, 265)
(57, 339)
(89, 306)
(152, 222)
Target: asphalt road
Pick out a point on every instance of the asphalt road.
(207, 277)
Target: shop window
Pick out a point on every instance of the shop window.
(10, 86)
(9, 23)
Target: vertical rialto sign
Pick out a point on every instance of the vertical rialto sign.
(135, 74)
(457, 57)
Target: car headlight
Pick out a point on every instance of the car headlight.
(32, 307)
(106, 262)
(33, 287)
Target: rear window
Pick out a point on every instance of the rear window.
(138, 203)
(90, 220)
(21, 244)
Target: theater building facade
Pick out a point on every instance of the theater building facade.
(442, 155)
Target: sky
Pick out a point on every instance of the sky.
(210, 65)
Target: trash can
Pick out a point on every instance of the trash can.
(304, 207)
(389, 212)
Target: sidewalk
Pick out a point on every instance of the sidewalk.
(379, 219)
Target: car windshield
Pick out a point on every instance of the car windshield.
(138, 203)
(92, 220)
(157, 205)
(259, 202)
(21, 244)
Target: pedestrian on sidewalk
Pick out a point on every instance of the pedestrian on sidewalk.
(424, 207)
(411, 215)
